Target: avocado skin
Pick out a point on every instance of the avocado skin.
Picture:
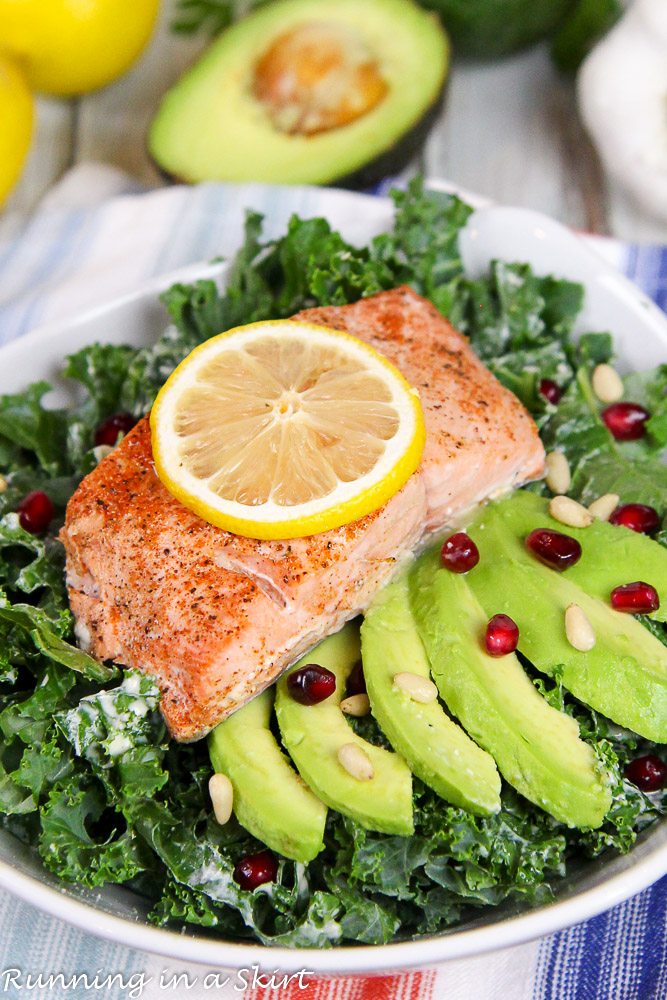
(313, 734)
(436, 749)
(487, 29)
(270, 800)
(537, 748)
(624, 676)
(389, 163)
(611, 554)
(399, 156)
(586, 25)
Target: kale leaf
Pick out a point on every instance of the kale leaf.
(88, 775)
(598, 462)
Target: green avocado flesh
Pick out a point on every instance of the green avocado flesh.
(313, 734)
(430, 620)
(537, 748)
(436, 748)
(270, 799)
(210, 126)
(610, 554)
(624, 676)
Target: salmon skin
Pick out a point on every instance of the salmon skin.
(216, 617)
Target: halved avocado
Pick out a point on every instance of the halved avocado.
(307, 92)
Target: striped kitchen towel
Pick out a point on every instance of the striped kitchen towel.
(96, 237)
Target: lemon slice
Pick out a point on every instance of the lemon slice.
(282, 429)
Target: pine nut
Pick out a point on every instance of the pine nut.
(357, 705)
(578, 629)
(604, 506)
(355, 761)
(101, 451)
(416, 687)
(221, 791)
(3, 484)
(569, 512)
(558, 476)
(607, 384)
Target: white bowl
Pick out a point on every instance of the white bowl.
(640, 333)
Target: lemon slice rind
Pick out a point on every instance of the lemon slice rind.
(349, 502)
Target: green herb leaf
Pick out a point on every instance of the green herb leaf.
(24, 421)
(209, 16)
(598, 462)
(44, 634)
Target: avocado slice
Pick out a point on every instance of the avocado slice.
(624, 676)
(219, 123)
(537, 748)
(270, 799)
(611, 554)
(313, 734)
(436, 748)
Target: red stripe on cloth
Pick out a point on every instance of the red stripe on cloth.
(406, 986)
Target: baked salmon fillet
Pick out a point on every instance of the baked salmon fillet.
(216, 617)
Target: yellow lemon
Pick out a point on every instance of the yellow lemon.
(73, 46)
(16, 118)
(282, 429)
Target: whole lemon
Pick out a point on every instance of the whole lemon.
(73, 46)
(16, 115)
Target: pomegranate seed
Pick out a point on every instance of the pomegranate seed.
(637, 516)
(255, 870)
(551, 391)
(459, 553)
(554, 548)
(636, 598)
(626, 421)
(648, 773)
(356, 682)
(110, 429)
(35, 512)
(311, 684)
(502, 635)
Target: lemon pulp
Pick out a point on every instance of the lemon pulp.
(281, 429)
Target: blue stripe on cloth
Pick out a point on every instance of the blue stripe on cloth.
(647, 266)
(32, 272)
(620, 955)
(76, 237)
(67, 243)
(34, 943)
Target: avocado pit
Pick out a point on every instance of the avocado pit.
(317, 77)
